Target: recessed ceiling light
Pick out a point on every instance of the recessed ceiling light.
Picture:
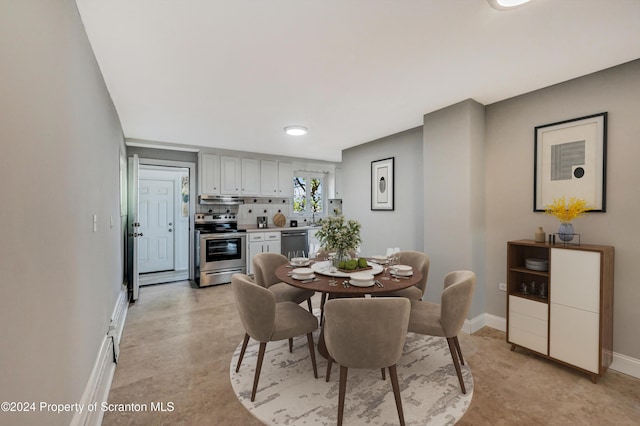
(296, 130)
(506, 4)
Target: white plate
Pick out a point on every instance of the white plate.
(361, 284)
(297, 264)
(302, 271)
(361, 277)
(379, 259)
(303, 277)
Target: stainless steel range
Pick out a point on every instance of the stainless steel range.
(220, 248)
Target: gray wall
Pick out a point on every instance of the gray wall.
(454, 229)
(509, 180)
(61, 143)
(401, 227)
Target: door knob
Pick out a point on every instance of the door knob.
(170, 223)
(170, 230)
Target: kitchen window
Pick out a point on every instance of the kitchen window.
(308, 193)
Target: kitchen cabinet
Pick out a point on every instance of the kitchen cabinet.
(572, 320)
(285, 179)
(276, 178)
(250, 177)
(337, 183)
(208, 174)
(262, 242)
(230, 175)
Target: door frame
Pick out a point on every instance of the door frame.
(192, 203)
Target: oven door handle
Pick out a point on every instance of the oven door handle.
(221, 236)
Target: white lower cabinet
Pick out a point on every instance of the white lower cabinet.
(262, 242)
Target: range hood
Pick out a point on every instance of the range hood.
(219, 200)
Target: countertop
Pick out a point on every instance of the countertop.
(254, 228)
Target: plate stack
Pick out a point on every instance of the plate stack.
(361, 279)
(536, 264)
(402, 270)
(300, 261)
(302, 274)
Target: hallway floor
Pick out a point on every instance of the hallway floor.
(178, 342)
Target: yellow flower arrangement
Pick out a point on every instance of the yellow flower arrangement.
(566, 212)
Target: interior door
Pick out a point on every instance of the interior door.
(157, 223)
(133, 225)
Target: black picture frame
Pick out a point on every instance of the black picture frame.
(570, 159)
(382, 184)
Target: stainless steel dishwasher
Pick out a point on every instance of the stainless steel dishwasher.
(293, 241)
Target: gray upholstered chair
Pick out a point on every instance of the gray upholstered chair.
(420, 262)
(264, 271)
(366, 333)
(266, 321)
(446, 319)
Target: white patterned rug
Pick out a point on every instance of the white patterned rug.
(289, 395)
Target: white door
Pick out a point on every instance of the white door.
(133, 226)
(157, 224)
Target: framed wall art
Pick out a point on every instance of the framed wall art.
(570, 161)
(382, 190)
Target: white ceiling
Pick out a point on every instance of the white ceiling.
(232, 74)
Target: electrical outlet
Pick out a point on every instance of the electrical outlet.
(502, 286)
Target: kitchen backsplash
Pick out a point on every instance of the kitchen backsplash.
(247, 213)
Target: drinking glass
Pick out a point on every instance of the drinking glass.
(394, 261)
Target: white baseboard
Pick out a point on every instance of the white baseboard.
(97, 389)
(626, 365)
(621, 363)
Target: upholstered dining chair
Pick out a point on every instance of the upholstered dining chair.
(447, 318)
(366, 333)
(267, 321)
(420, 262)
(264, 271)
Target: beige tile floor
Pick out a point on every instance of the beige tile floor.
(178, 342)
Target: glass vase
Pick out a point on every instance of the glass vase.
(566, 232)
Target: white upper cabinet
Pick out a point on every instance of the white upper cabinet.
(285, 179)
(208, 174)
(276, 178)
(250, 176)
(230, 175)
(269, 178)
(337, 183)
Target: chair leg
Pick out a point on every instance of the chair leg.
(309, 305)
(384, 377)
(342, 389)
(393, 373)
(455, 340)
(263, 346)
(322, 302)
(329, 362)
(312, 352)
(454, 356)
(244, 347)
(290, 344)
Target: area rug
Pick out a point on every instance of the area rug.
(288, 394)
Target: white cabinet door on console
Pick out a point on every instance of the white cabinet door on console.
(575, 308)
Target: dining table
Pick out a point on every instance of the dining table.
(336, 283)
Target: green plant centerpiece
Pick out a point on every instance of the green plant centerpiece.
(339, 235)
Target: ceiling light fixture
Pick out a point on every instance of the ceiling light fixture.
(507, 4)
(296, 130)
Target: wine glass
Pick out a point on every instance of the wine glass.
(393, 260)
(332, 269)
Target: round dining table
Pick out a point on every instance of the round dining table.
(343, 287)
